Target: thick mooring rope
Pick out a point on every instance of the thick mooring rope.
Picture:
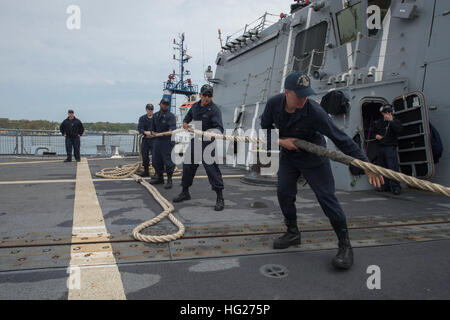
(130, 170)
(367, 166)
(168, 209)
(348, 160)
(167, 212)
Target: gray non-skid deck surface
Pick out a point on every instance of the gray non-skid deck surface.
(411, 271)
(38, 171)
(415, 270)
(45, 284)
(19, 158)
(36, 208)
(408, 271)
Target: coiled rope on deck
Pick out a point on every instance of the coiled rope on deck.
(130, 170)
(168, 209)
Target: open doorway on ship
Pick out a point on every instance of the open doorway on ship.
(370, 112)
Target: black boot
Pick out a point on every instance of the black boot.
(396, 190)
(344, 257)
(184, 195)
(169, 182)
(159, 180)
(220, 202)
(146, 173)
(290, 238)
(383, 188)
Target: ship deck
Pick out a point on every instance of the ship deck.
(60, 225)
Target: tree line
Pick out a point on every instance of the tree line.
(51, 125)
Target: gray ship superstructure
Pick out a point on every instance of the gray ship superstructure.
(374, 51)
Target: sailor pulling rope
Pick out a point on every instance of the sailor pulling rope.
(131, 169)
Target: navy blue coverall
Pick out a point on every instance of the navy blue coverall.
(162, 148)
(146, 124)
(310, 124)
(387, 147)
(211, 118)
(73, 129)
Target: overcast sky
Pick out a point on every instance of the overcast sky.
(116, 63)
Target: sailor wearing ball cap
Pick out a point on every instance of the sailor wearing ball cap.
(387, 130)
(206, 112)
(145, 127)
(163, 121)
(298, 117)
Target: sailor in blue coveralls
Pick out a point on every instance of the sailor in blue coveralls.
(297, 117)
(145, 127)
(72, 129)
(211, 118)
(163, 121)
(386, 133)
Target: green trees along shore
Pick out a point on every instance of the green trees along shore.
(50, 125)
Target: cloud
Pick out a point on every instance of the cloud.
(117, 61)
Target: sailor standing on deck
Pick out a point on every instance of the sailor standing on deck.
(72, 129)
(210, 116)
(145, 127)
(163, 121)
(386, 133)
(297, 117)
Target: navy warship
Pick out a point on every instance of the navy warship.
(66, 234)
(373, 52)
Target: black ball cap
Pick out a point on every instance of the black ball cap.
(386, 108)
(164, 101)
(149, 107)
(70, 111)
(206, 89)
(300, 83)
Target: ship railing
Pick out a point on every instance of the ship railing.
(253, 28)
(180, 87)
(41, 142)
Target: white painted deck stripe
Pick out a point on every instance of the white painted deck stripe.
(104, 282)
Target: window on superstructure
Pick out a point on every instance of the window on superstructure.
(305, 42)
(349, 23)
(384, 6)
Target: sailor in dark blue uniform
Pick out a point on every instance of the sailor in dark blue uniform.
(211, 118)
(145, 127)
(297, 117)
(386, 133)
(163, 121)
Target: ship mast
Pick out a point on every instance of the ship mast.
(176, 83)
